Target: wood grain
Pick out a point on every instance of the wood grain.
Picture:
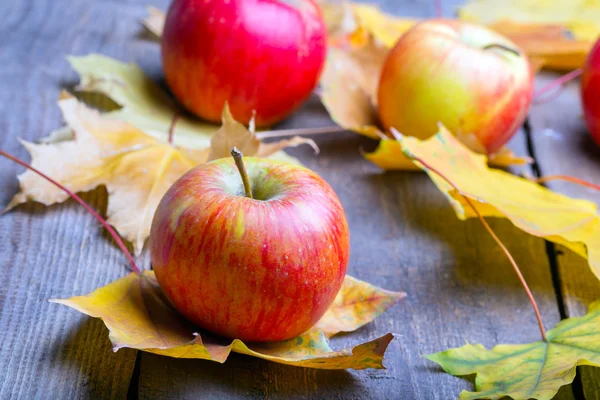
(405, 237)
(47, 350)
(563, 146)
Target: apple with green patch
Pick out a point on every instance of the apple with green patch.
(472, 80)
(258, 55)
(255, 252)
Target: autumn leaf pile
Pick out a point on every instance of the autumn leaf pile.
(133, 139)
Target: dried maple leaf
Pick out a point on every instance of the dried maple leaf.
(581, 17)
(155, 21)
(350, 78)
(356, 304)
(538, 211)
(547, 45)
(136, 169)
(349, 87)
(142, 102)
(139, 316)
(554, 33)
(524, 371)
(350, 82)
(389, 155)
(233, 133)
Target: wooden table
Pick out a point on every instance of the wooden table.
(404, 236)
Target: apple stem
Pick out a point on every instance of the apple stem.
(502, 47)
(172, 127)
(89, 209)
(499, 242)
(557, 82)
(300, 131)
(568, 179)
(238, 157)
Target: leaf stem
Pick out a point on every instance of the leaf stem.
(557, 82)
(300, 131)
(568, 179)
(172, 127)
(499, 242)
(89, 209)
(238, 157)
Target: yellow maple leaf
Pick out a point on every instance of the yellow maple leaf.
(139, 316)
(554, 33)
(350, 79)
(346, 314)
(141, 101)
(384, 27)
(349, 87)
(136, 169)
(233, 133)
(547, 45)
(581, 17)
(538, 211)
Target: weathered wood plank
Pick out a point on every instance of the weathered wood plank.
(404, 236)
(48, 350)
(563, 146)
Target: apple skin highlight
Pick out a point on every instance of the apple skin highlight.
(263, 55)
(263, 269)
(440, 71)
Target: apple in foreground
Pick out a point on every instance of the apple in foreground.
(258, 269)
(263, 55)
(590, 92)
(465, 76)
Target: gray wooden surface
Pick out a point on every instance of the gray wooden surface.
(563, 147)
(404, 236)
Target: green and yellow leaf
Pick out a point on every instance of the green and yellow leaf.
(136, 169)
(142, 102)
(139, 316)
(538, 211)
(528, 371)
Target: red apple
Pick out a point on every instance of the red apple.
(590, 92)
(262, 269)
(465, 76)
(263, 55)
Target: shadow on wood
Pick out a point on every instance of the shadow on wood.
(242, 376)
(94, 362)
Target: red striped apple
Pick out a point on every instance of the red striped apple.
(590, 92)
(258, 269)
(465, 76)
(263, 55)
